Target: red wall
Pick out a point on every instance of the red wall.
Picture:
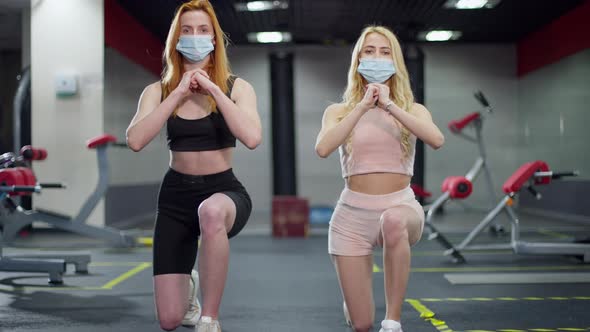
(125, 34)
(565, 36)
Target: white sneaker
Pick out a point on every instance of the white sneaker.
(208, 324)
(346, 314)
(194, 307)
(390, 325)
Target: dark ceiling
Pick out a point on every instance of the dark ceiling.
(340, 21)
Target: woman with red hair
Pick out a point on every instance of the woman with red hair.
(205, 109)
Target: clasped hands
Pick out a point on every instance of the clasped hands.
(196, 81)
(377, 94)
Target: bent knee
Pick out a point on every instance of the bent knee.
(394, 228)
(170, 321)
(211, 219)
(208, 212)
(362, 325)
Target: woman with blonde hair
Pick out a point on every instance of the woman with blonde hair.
(375, 129)
(205, 109)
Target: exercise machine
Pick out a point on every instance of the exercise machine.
(469, 128)
(526, 177)
(18, 218)
(460, 187)
(20, 181)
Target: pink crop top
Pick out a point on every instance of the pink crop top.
(376, 147)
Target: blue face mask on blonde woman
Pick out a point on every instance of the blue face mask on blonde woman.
(376, 70)
(375, 129)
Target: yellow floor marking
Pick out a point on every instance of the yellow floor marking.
(495, 268)
(126, 275)
(441, 252)
(145, 241)
(138, 267)
(115, 263)
(49, 288)
(553, 234)
(428, 315)
(534, 330)
(487, 299)
(378, 269)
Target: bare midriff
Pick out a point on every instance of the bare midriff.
(201, 162)
(378, 183)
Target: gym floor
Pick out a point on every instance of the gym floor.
(290, 285)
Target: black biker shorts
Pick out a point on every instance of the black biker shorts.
(177, 230)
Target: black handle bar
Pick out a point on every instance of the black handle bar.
(20, 189)
(52, 185)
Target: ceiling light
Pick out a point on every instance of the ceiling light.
(439, 35)
(471, 4)
(269, 37)
(256, 6)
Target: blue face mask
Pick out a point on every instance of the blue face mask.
(195, 48)
(376, 70)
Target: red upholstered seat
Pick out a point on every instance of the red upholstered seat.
(456, 126)
(100, 140)
(458, 187)
(524, 173)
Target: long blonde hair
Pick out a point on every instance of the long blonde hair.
(218, 68)
(400, 91)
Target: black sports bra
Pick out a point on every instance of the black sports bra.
(204, 134)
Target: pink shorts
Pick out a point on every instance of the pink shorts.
(356, 222)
